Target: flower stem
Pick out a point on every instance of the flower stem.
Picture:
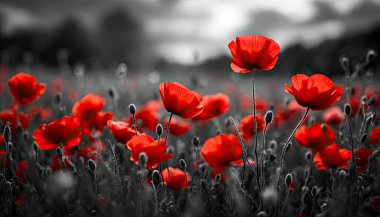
(166, 140)
(352, 152)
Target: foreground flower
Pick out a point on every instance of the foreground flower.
(154, 150)
(220, 151)
(317, 137)
(253, 52)
(121, 131)
(24, 88)
(333, 116)
(65, 131)
(180, 100)
(246, 126)
(317, 92)
(332, 157)
(11, 117)
(214, 106)
(374, 136)
(177, 127)
(175, 178)
(362, 155)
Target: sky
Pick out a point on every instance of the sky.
(180, 28)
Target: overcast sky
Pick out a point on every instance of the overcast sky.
(180, 27)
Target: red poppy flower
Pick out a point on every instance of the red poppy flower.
(177, 127)
(88, 107)
(331, 157)
(21, 169)
(374, 136)
(65, 131)
(11, 117)
(246, 126)
(153, 104)
(180, 100)
(146, 117)
(42, 113)
(316, 137)
(214, 106)
(372, 92)
(246, 103)
(98, 122)
(24, 88)
(317, 92)
(155, 150)
(333, 116)
(221, 150)
(253, 52)
(362, 155)
(121, 130)
(57, 163)
(176, 179)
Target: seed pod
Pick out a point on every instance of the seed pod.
(308, 155)
(58, 98)
(344, 63)
(371, 54)
(132, 109)
(195, 142)
(156, 178)
(347, 109)
(268, 117)
(7, 133)
(288, 179)
(143, 159)
(59, 152)
(159, 130)
(182, 164)
(92, 165)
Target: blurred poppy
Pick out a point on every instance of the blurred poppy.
(42, 113)
(65, 131)
(154, 150)
(88, 107)
(253, 52)
(317, 92)
(11, 117)
(214, 106)
(316, 137)
(246, 126)
(146, 117)
(362, 155)
(20, 201)
(98, 122)
(372, 93)
(333, 116)
(21, 169)
(332, 157)
(57, 163)
(221, 150)
(180, 100)
(374, 136)
(24, 88)
(245, 102)
(153, 104)
(177, 127)
(175, 178)
(121, 131)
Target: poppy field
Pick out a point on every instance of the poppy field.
(71, 145)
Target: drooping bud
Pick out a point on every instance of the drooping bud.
(182, 164)
(268, 117)
(159, 130)
(347, 110)
(7, 133)
(344, 63)
(59, 152)
(132, 109)
(92, 165)
(143, 159)
(364, 99)
(156, 178)
(371, 54)
(288, 179)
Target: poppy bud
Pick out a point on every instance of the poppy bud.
(35, 147)
(262, 214)
(308, 155)
(371, 101)
(111, 93)
(371, 54)
(273, 145)
(195, 142)
(7, 133)
(314, 191)
(183, 164)
(268, 117)
(9, 185)
(143, 159)
(218, 132)
(132, 109)
(159, 129)
(58, 98)
(170, 150)
(91, 165)
(156, 178)
(288, 147)
(369, 119)
(218, 177)
(59, 152)
(324, 127)
(344, 63)
(347, 109)
(288, 179)
(364, 99)
(363, 138)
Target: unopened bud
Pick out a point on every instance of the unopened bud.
(195, 142)
(58, 98)
(289, 146)
(363, 138)
(132, 109)
(308, 155)
(91, 165)
(59, 152)
(7, 133)
(347, 109)
(273, 145)
(35, 147)
(324, 127)
(111, 93)
(344, 63)
(288, 179)
(183, 164)
(268, 117)
(371, 54)
(159, 129)
(218, 178)
(156, 178)
(143, 159)
(364, 99)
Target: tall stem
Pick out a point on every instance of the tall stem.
(286, 147)
(166, 140)
(352, 151)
